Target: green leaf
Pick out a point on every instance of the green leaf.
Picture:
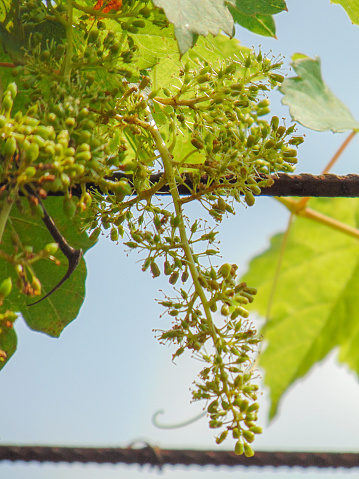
(58, 310)
(316, 302)
(259, 7)
(209, 49)
(260, 24)
(256, 15)
(351, 7)
(8, 344)
(196, 17)
(311, 102)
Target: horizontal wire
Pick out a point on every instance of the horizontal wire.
(160, 457)
(302, 185)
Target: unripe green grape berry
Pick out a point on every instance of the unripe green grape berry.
(270, 144)
(197, 143)
(249, 198)
(51, 248)
(221, 437)
(225, 310)
(138, 23)
(248, 451)
(184, 276)
(95, 234)
(7, 103)
(167, 268)
(248, 435)
(276, 77)
(290, 153)
(114, 234)
(36, 285)
(30, 171)
(83, 156)
(145, 12)
(213, 307)
(174, 277)
(155, 270)
(296, 140)
(225, 270)
(263, 111)
(32, 153)
(69, 207)
(256, 429)
(5, 288)
(12, 89)
(239, 448)
(274, 123)
(10, 146)
(281, 131)
(251, 140)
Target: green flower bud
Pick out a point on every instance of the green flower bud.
(10, 146)
(221, 437)
(225, 310)
(32, 152)
(51, 248)
(5, 288)
(174, 277)
(239, 448)
(155, 270)
(249, 198)
(248, 451)
(69, 207)
(114, 234)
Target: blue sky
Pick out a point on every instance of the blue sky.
(101, 382)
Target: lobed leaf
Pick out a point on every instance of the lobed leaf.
(351, 7)
(260, 24)
(311, 102)
(256, 15)
(316, 305)
(53, 314)
(196, 17)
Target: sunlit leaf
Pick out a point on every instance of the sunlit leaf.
(316, 302)
(351, 7)
(311, 102)
(260, 24)
(196, 17)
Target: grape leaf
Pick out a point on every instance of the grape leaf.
(256, 15)
(316, 302)
(196, 17)
(351, 7)
(8, 344)
(311, 102)
(260, 24)
(259, 7)
(58, 310)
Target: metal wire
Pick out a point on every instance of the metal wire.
(159, 457)
(284, 185)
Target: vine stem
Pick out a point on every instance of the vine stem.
(170, 176)
(69, 42)
(292, 205)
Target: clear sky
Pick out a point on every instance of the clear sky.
(101, 382)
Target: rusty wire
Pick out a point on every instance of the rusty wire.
(302, 185)
(155, 456)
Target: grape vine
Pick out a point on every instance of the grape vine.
(85, 100)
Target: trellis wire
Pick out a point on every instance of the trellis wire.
(155, 456)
